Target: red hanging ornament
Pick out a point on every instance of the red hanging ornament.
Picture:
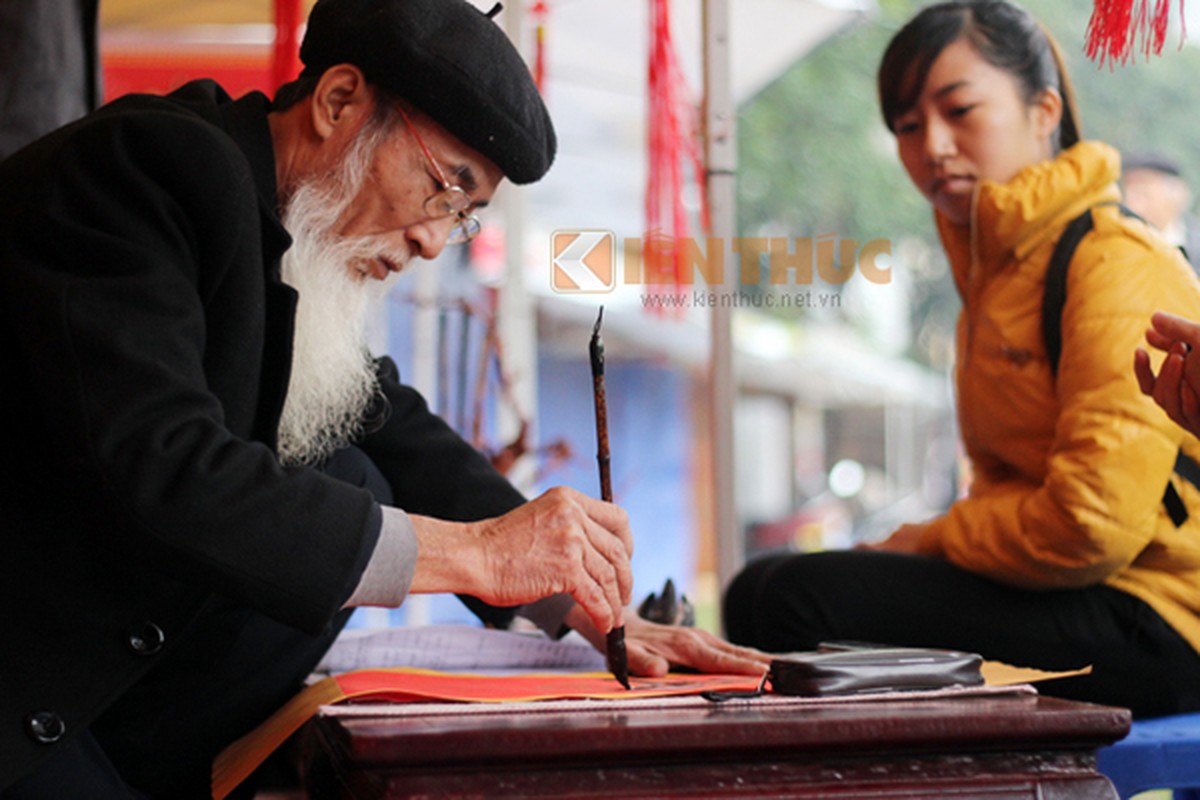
(1116, 26)
(540, 12)
(673, 138)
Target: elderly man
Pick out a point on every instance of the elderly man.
(204, 470)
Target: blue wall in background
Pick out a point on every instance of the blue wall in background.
(650, 430)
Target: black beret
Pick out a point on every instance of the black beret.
(448, 59)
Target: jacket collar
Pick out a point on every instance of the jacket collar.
(1012, 219)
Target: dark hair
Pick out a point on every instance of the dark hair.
(1004, 34)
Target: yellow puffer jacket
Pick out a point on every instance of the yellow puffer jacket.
(1069, 471)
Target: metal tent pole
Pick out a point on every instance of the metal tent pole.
(516, 315)
(720, 143)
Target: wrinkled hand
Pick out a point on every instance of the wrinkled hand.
(654, 648)
(1176, 387)
(560, 542)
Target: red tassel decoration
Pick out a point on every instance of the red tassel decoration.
(673, 140)
(1117, 26)
(540, 12)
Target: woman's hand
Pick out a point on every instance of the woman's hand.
(906, 539)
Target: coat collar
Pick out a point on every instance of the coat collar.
(245, 121)
(1012, 219)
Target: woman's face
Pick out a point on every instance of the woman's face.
(970, 123)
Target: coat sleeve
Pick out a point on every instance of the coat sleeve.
(434, 472)
(1100, 502)
(416, 451)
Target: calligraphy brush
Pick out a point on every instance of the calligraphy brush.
(615, 653)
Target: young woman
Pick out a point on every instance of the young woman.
(1063, 554)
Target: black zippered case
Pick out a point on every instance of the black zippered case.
(874, 669)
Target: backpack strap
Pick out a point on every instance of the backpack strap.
(1054, 299)
(1186, 468)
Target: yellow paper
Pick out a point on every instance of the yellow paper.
(235, 763)
(997, 673)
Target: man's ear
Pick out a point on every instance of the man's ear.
(341, 101)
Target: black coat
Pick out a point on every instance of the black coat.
(145, 341)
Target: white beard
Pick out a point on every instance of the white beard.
(333, 377)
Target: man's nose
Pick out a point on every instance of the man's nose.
(429, 236)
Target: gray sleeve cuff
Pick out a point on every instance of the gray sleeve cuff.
(389, 573)
(548, 614)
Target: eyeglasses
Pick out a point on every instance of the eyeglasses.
(451, 200)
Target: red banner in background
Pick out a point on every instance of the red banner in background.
(159, 70)
(158, 63)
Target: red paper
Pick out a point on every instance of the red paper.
(403, 685)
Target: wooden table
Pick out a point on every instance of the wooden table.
(1005, 746)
